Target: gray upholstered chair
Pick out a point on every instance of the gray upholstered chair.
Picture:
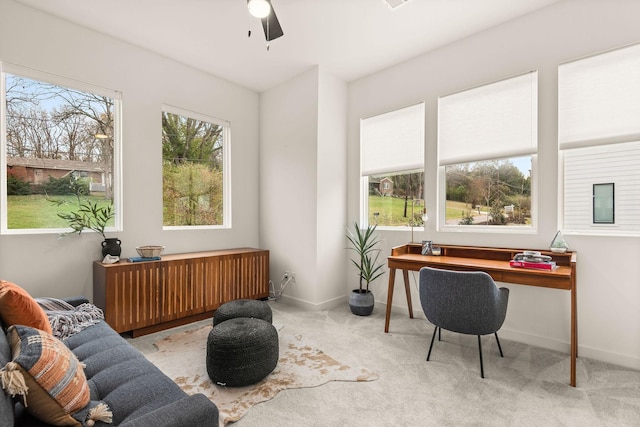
(467, 302)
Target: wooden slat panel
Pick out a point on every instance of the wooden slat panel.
(130, 296)
(183, 288)
(197, 278)
(211, 283)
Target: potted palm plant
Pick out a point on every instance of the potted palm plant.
(364, 243)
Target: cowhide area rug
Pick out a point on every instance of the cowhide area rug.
(181, 356)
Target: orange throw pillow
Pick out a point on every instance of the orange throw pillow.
(17, 307)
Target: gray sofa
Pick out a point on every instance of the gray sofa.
(138, 393)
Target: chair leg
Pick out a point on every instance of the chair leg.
(431, 346)
(439, 334)
(480, 351)
(499, 346)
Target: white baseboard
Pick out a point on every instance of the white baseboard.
(535, 340)
(625, 360)
(326, 305)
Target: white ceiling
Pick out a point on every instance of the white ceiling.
(348, 38)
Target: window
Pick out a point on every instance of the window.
(487, 146)
(599, 142)
(60, 144)
(604, 211)
(492, 192)
(392, 167)
(195, 170)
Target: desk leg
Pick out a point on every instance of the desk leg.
(392, 281)
(574, 334)
(407, 290)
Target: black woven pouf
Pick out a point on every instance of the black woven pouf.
(241, 351)
(243, 308)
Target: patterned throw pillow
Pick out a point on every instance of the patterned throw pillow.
(18, 308)
(52, 383)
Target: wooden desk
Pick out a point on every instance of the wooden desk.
(494, 261)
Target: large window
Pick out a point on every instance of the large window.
(487, 146)
(392, 167)
(59, 148)
(599, 141)
(195, 169)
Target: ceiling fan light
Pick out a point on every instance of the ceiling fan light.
(259, 8)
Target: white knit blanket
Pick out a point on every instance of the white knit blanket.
(67, 320)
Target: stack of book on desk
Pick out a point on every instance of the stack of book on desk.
(535, 260)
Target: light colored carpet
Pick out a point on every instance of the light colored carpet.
(528, 387)
(181, 356)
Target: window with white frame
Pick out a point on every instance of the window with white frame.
(599, 142)
(195, 169)
(392, 168)
(60, 150)
(487, 147)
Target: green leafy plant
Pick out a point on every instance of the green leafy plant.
(89, 215)
(363, 243)
(467, 219)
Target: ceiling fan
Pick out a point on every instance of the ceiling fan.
(263, 9)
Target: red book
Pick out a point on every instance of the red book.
(536, 265)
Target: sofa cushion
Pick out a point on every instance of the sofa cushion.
(120, 375)
(6, 402)
(54, 378)
(18, 308)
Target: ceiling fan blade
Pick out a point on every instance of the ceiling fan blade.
(273, 30)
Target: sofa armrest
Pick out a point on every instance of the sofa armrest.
(192, 411)
(76, 301)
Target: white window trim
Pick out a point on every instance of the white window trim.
(364, 179)
(226, 168)
(364, 211)
(613, 136)
(34, 74)
(497, 229)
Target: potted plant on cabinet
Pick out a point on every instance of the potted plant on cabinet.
(89, 215)
(363, 243)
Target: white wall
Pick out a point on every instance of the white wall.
(331, 189)
(288, 180)
(302, 185)
(45, 265)
(608, 270)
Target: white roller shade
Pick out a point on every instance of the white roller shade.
(493, 121)
(392, 142)
(599, 99)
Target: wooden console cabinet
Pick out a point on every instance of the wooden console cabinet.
(145, 297)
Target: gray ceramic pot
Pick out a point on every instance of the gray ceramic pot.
(361, 303)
